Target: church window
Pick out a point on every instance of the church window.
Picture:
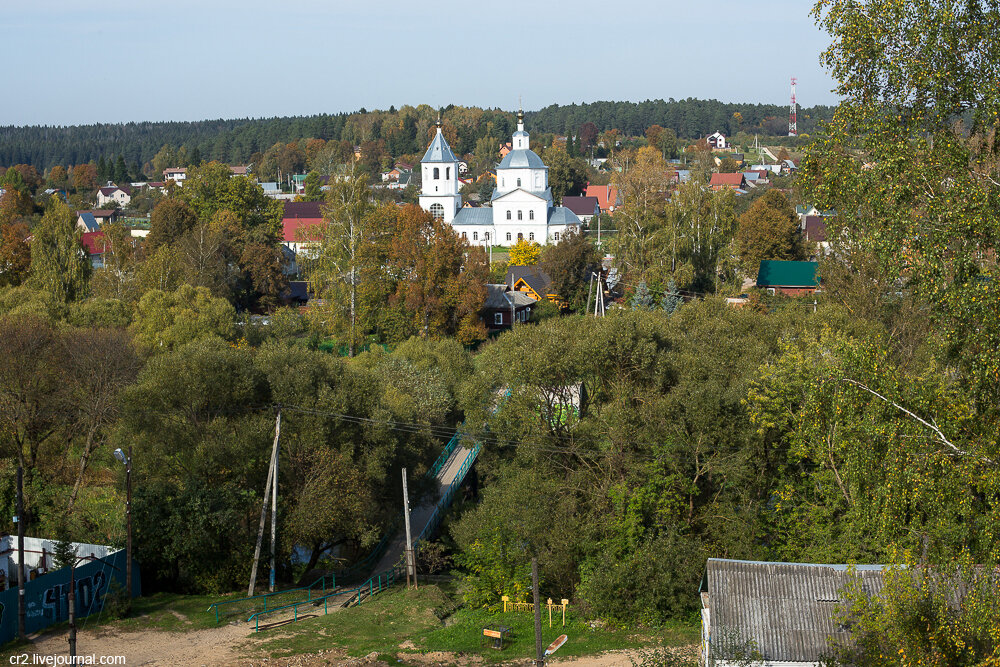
(447, 173)
(557, 237)
(437, 173)
(437, 211)
(475, 236)
(487, 236)
(508, 215)
(508, 236)
(519, 182)
(520, 236)
(531, 215)
(538, 181)
(464, 236)
(519, 216)
(531, 236)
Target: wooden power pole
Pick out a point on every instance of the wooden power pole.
(271, 469)
(22, 633)
(539, 657)
(411, 562)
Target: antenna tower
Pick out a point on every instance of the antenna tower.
(793, 129)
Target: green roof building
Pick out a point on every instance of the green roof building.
(789, 277)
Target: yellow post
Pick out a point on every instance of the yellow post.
(564, 603)
(505, 598)
(550, 611)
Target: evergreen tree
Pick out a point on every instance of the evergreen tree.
(671, 300)
(642, 299)
(120, 175)
(103, 171)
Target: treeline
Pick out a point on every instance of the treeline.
(689, 119)
(404, 131)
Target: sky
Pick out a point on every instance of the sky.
(74, 62)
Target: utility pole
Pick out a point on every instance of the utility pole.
(20, 554)
(410, 560)
(590, 291)
(128, 527)
(539, 659)
(71, 608)
(274, 497)
(263, 509)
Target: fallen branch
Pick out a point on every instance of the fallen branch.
(940, 434)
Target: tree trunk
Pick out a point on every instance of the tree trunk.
(84, 459)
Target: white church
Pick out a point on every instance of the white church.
(522, 201)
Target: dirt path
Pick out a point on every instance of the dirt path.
(215, 646)
(227, 644)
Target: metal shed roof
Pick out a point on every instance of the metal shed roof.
(787, 610)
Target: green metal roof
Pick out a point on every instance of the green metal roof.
(775, 273)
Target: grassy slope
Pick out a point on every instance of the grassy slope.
(385, 622)
(407, 617)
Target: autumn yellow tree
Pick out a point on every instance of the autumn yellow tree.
(524, 253)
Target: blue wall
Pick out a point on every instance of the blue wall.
(46, 596)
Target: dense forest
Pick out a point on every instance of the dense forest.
(236, 141)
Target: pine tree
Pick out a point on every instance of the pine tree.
(642, 299)
(671, 300)
(120, 176)
(103, 171)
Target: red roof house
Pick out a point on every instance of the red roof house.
(607, 196)
(732, 181)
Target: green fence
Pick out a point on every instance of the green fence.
(273, 601)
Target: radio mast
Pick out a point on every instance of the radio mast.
(793, 129)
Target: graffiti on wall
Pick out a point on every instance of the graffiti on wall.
(54, 603)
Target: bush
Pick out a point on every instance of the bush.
(652, 582)
(117, 604)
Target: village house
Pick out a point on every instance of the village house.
(815, 232)
(176, 174)
(532, 281)
(776, 614)
(94, 244)
(301, 231)
(504, 306)
(789, 278)
(607, 196)
(717, 141)
(732, 181)
(585, 208)
(112, 193)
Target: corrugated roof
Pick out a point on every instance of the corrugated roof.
(776, 273)
(732, 180)
(439, 150)
(785, 609)
(473, 216)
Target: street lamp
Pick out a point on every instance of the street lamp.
(127, 462)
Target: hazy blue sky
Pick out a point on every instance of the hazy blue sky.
(76, 61)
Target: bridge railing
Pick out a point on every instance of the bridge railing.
(449, 493)
(270, 601)
(445, 455)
